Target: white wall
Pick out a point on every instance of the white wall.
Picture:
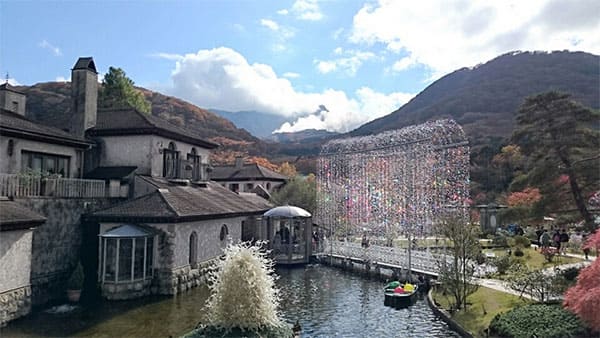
(15, 259)
(12, 164)
(143, 151)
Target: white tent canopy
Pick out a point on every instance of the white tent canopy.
(287, 211)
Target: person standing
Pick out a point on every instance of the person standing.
(564, 240)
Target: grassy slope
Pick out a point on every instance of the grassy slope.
(486, 303)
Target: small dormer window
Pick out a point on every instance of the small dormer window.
(171, 161)
(15, 106)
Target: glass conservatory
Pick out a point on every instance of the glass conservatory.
(289, 234)
(126, 261)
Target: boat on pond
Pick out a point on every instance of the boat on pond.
(400, 295)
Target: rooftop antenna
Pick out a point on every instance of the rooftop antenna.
(6, 77)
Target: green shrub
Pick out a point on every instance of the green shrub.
(500, 240)
(502, 263)
(539, 320)
(76, 280)
(522, 241)
(571, 273)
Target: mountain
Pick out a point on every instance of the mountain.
(307, 135)
(50, 103)
(258, 124)
(484, 99)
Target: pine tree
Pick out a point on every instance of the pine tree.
(118, 92)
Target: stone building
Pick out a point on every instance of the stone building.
(16, 232)
(127, 193)
(247, 177)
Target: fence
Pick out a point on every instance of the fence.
(14, 185)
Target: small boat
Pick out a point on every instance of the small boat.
(400, 295)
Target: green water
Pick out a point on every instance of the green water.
(327, 302)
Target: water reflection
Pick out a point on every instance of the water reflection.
(328, 303)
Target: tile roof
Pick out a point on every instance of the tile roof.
(109, 173)
(129, 121)
(14, 216)
(250, 171)
(173, 203)
(85, 63)
(20, 126)
(7, 86)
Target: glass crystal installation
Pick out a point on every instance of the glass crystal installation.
(393, 182)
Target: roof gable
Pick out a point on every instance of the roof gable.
(13, 124)
(250, 171)
(129, 121)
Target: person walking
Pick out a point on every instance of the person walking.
(564, 240)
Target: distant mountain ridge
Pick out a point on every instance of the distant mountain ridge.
(258, 124)
(484, 99)
(307, 135)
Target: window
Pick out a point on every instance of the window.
(268, 186)
(249, 186)
(45, 163)
(193, 259)
(15, 106)
(234, 187)
(196, 160)
(171, 161)
(126, 254)
(224, 233)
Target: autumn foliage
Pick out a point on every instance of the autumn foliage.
(526, 198)
(584, 298)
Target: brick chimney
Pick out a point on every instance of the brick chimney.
(12, 99)
(84, 96)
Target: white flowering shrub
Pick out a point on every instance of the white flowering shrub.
(243, 291)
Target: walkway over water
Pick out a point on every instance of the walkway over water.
(422, 261)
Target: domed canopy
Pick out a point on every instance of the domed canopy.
(287, 211)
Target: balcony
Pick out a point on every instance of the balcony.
(17, 185)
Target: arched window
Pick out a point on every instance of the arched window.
(268, 185)
(193, 259)
(171, 161)
(224, 233)
(196, 160)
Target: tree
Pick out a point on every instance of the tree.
(584, 298)
(299, 191)
(118, 92)
(287, 169)
(456, 273)
(557, 133)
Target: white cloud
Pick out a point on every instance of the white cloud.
(167, 56)
(282, 34)
(404, 63)
(307, 10)
(446, 35)
(283, 12)
(47, 45)
(270, 24)
(336, 34)
(291, 75)
(13, 82)
(61, 78)
(222, 78)
(349, 64)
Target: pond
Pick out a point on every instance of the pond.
(328, 302)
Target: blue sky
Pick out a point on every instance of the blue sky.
(360, 59)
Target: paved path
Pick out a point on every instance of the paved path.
(501, 285)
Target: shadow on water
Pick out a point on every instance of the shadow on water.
(328, 302)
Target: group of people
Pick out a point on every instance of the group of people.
(558, 239)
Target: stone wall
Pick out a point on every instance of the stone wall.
(56, 244)
(14, 304)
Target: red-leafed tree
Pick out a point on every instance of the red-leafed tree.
(584, 298)
(526, 198)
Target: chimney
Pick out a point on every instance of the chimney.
(12, 99)
(84, 96)
(239, 162)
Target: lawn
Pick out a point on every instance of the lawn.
(535, 260)
(485, 303)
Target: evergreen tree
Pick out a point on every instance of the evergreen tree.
(118, 92)
(557, 135)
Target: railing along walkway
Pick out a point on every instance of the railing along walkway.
(421, 261)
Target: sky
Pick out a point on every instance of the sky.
(332, 64)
